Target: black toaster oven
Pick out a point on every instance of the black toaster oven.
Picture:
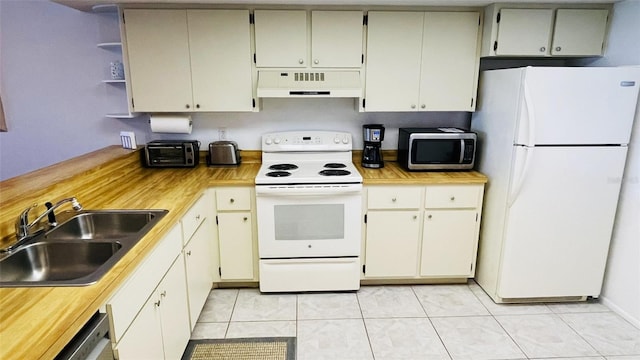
(171, 153)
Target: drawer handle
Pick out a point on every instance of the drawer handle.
(232, 200)
(393, 199)
(453, 198)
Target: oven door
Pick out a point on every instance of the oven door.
(309, 221)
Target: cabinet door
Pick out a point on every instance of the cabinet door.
(174, 312)
(392, 243)
(394, 48)
(198, 265)
(579, 32)
(450, 60)
(524, 32)
(336, 38)
(449, 243)
(281, 38)
(235, 236)
(220, 60)
(158, 53)
(143, 339)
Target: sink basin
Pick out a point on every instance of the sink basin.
(56, 261)
(102, 225)
(79, 251)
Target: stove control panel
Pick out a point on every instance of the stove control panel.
(306, 141)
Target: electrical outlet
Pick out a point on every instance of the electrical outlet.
(222, 133)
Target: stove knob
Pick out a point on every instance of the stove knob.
(336, 140)
(276, 141)
(345, 140)
(267, 141)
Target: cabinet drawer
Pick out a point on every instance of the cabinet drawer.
(233, 199)
(393, 197)
(193, 218)
(132, 295)
(452, 196)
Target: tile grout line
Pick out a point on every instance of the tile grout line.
(366, 331)
(233, 308)
(578, 333)
(432, 325)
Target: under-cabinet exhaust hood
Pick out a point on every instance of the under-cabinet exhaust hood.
(305, 83)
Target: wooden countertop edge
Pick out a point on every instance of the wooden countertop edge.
(95, 296)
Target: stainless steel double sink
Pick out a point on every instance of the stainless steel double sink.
(79, 251)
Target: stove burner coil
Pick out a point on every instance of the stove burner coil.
(334, 172)
(278, 173)
(283, 167)
(335, 165)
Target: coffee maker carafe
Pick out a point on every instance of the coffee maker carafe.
(371, 156)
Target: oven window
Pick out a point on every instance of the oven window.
(309, 222)
(436, 151)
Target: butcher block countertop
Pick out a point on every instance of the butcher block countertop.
(37, 322)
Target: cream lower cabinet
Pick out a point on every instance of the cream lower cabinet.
(433, 68)
(161, 330)
(421, 232)
(237, 242)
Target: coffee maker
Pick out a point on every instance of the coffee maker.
(373, 135)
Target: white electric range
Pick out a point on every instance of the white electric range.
(309, 199)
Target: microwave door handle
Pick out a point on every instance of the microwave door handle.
(461, 151)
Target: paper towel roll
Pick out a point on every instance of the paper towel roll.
(175, 124)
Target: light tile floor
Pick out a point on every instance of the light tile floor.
(420, 322)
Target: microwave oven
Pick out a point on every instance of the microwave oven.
(171, 153)
(436, 148)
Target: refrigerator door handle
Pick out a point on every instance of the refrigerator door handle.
(531, 121)
(522, 176)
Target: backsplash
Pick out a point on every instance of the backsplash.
(306, 114)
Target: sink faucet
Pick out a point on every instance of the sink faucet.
(23, 226)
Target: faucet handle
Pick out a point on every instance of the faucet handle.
(22, 225)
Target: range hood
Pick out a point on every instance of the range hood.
(305, 83)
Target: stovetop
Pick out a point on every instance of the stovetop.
(307, 157)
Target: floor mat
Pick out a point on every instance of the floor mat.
(273, 348)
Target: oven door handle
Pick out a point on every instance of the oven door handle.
(308, 190)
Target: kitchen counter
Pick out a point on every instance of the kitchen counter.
(112, 178)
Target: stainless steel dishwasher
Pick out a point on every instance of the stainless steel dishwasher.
(91, 342)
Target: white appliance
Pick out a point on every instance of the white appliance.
(308, 200)
(553, 143)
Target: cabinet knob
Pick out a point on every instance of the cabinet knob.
(413, 106)
(300, 61)
(188, 106)
(189, 253)
(157, 303)
(198, 217)
(453, 198)
(558, 48)
(393, 199)
(316, 61)
(232, 200)
(245, 218)
(197, 106)
(423, 106)
(415, 217)
(543, 49)
(163, 294)
(429, 216)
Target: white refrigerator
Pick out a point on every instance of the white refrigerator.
(553, 143)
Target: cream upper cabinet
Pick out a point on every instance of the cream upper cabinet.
(579, 32)
(544, 31)
(336, 38)
(220, 45)
(300, 39)
(433, 68)
(189, 60)
(281, 38)
(158, 56)
(450, 59)
(393, 66)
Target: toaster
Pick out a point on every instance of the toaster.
(223, 153)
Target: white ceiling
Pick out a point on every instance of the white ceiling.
(86, 5)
